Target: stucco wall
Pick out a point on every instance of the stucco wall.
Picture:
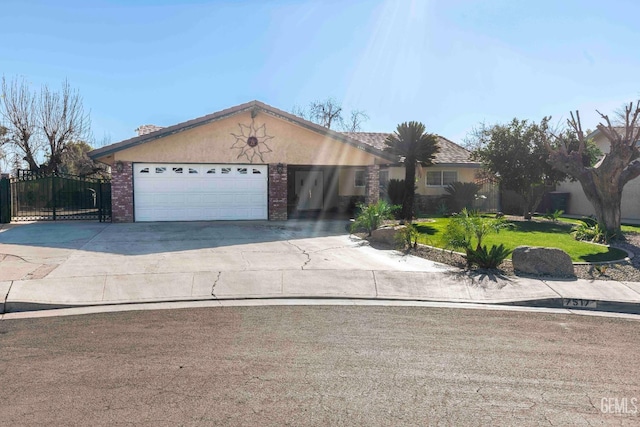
(211, 143)
(580, 205)
(347, 182)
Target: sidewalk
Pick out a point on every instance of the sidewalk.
(47, 266)
(446, 286)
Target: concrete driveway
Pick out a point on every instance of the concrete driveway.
(86, 263)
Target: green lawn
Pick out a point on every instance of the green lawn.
(531, 233)
(625, 228)
(631, 228)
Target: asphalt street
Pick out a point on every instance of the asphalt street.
(329, 365)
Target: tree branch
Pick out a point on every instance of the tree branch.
(631, 172)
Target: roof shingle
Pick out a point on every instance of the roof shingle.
(450, 152)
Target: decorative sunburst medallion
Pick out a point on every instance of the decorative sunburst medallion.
(252, 141)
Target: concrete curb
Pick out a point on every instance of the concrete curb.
(550, 303)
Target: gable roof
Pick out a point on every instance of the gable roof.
(249, 106)
(450, 152)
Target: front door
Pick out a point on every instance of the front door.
(310, 190)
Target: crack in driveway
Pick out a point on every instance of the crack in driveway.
(215, 282)
(304, 252)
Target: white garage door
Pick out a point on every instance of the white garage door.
(184, 192)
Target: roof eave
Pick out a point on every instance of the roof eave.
(460, 164)
(593, 134)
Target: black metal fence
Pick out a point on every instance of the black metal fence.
(5, 200)
(34, 197)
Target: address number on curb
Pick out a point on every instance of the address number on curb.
(578, 303)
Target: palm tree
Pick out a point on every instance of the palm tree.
(411, 141)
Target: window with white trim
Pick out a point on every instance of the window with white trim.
(441, 178)
(360, 179)
(449, 177)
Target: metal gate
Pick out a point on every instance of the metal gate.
(35, 197)
(488, 197)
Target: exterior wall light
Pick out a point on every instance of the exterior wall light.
(280, 168)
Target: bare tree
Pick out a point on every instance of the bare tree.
(326, 113)
(3, 151)
(41, 125)
(329, 113)
(62, 120)
(603, 183)
(354, 124)
(300, 112)
(18, 108)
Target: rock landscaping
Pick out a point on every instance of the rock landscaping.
(542, 261)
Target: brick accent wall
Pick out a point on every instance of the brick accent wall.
(122, 192)
(277, 193)
(373, 185)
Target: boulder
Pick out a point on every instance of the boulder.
(542, 261)
(385, 235)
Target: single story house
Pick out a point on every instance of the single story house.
(579, 205)
(254, 161)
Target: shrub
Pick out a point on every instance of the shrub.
(461, 194)
(591, 233)
(395, 191)
(407, 237)
(370, 217)
(484, 258)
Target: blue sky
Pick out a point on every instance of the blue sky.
(449, 64)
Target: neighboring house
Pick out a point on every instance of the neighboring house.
(579, 204)
(254, 161)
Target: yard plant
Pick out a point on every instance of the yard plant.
(467, 229)
(407, 237)
(461, 195)
(370, 217)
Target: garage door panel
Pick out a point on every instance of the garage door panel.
(178, 192)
